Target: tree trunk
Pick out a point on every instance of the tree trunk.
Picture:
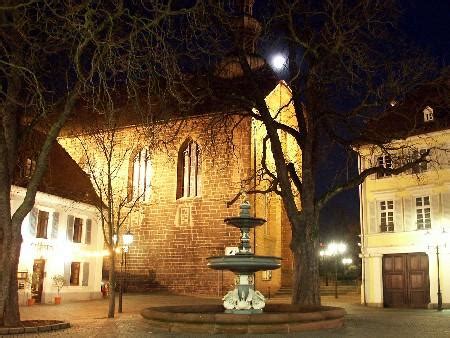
(12, 313)
(5, 272)
(306, 282)
(112, 284)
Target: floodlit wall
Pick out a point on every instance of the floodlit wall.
(58, 250)
(406, 237)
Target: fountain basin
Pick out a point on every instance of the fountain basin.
(244, 263)
(244, 222)
(276, 318)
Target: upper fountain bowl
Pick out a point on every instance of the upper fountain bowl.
(244, 220)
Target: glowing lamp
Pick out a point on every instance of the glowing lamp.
(127, 238)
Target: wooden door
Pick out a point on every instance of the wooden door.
(405, 280)
(37, 279)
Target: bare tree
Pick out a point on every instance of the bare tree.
(107, 158)
(55, 53)
(344, 63)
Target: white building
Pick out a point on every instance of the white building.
(406, 218)
(61, 235)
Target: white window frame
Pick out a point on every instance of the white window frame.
(423, 212)
(385, 161)
(423, 166)
(386, 215)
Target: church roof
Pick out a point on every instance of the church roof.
(63, 178)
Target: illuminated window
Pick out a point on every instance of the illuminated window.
(384, 161)
(386, 216)
(428, 114)
(189, 170)
(42, 224)
(141, 171)
(423, 212)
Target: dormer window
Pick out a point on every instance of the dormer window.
(384, 161)
(29, 168)
(428, 114)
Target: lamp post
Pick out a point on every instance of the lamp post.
(127, 239)
(335, 250)
(322, 254)
(436, 240)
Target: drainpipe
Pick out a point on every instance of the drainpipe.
(254, 195)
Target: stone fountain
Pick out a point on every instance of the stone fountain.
(243, 305)
(244, 299)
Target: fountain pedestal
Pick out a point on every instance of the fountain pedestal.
(244, 299)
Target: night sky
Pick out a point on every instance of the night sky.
(427, 25)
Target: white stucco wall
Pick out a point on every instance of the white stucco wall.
(57, 252)
(406, 238)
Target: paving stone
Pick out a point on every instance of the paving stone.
(88, 319)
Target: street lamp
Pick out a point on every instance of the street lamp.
(437, 240)
(335, 250)
(127, 239)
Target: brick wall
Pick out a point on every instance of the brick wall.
(173, 238)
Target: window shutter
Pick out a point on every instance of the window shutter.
(70, 220)
(435, 219)
(67, 266)
(33, 221)
(85, 281)
(55, 223)
(398, 215)
(410, 214)
(373, 226)
(88, 231)
(442, 158)
(446, 208)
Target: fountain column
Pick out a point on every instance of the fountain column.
(244, 299)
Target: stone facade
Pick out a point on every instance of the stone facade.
(173, 235)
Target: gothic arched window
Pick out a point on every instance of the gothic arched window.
(140, 173)
(189, 170)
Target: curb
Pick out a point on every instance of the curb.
(33, 329)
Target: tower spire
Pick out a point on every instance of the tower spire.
(246, 30)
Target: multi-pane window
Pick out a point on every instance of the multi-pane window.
(386, 216)
(29, 168)
(384, 161)
(422, 166)
(75, 273)
(428, 114)
(423, 212)
(141, 176)
(42, 224)
(189, 170)
(77, 230)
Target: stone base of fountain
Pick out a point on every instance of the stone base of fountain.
(211, 319)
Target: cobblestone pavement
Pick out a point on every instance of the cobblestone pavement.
(88, 319)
